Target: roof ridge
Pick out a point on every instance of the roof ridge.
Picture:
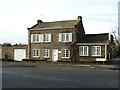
(97, 34)
(61, 21)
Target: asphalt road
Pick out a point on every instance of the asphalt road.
(53, 76)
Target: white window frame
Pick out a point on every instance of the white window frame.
(36, 52)
(45, 53)
(40, 38)
(65, 53)
(65, 37)
(46, 37)
(83, 51)
(35, 38)
(96, 51)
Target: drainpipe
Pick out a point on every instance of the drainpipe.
(109, 37)
(105, 51)
(29, 41)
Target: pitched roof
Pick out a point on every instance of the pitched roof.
(96, 38)
(56, 24)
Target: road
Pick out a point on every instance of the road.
(53, 76)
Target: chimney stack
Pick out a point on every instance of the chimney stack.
(39, 21)
(80, 17)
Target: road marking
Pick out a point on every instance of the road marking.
(50, 78)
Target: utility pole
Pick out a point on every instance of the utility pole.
(119, 34)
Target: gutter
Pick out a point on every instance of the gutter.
(52, 28)
(92, 44)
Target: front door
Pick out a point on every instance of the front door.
(54, 55)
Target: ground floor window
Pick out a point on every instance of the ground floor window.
(46, 53)
(83, 50)
(96, 50)
(65, 53)
(35, 52)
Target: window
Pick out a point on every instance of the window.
(35, 52)
(65, 53)
(46, 53)
(35, 38)
(96, 51)
(47, 37)
(65, 37)
(83, 50)
(41, 38)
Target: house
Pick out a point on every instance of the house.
(13, 52)
(95, 47)
(66, 40)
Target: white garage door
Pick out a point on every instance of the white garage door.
(19, 54)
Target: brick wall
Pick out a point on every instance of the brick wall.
(54, 44)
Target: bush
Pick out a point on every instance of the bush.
(32, 60)
(10, 60)
(116, 52)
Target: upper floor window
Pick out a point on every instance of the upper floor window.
(96, 50)
(65, 37)
(83, 50)
(46, 37)
(36, 38)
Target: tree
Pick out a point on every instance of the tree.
(6, 44)
(115, 47)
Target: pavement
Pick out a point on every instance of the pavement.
(113, 64)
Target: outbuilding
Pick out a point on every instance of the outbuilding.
(13, 52)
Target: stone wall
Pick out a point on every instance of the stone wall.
(8, 51)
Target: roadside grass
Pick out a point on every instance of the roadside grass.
(82, 62)
(58, 62)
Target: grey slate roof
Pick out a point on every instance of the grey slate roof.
(96, 38)
(56, 24)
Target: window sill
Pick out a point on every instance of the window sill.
(46, 57)
(83, 55)
(66, 42)
(66, 57)
(96, 55)
(40, 42)
(35, 56)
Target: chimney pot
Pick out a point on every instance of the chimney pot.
(39, 21)
(80, 17)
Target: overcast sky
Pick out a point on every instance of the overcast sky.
(99, 16)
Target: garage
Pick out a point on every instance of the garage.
(19, 54)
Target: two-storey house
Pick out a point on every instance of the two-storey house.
(65, 40)
(53, 40)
